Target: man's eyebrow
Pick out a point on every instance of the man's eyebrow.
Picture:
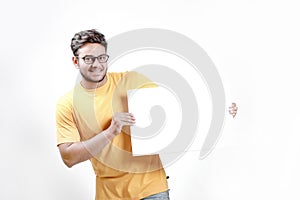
(88, 55)
(92, 55)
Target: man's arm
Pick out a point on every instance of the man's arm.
(74, 153)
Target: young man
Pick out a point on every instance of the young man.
(93, 121)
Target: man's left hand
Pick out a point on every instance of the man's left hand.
(233, 109)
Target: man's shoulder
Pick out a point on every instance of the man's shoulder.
(132, 80)
(125, 75)
(116, 75)
(66, 99)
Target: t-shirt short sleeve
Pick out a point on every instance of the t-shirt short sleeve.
(136, 80)
(66, 129)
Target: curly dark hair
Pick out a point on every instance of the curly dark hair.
(87, 36)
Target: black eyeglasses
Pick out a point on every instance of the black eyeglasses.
(91, 59)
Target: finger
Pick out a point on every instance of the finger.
(232, 112)
(123, 116)
(131, 120)
(130, 116)
(128, 120)
(129, 123)
(234, 109)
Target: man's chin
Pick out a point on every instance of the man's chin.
(101, 79)
(93, 79)
(96, 80)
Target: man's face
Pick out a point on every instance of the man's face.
(91, 73)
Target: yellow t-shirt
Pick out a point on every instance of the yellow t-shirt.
(82, 114)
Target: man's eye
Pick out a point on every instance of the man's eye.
(88, 59)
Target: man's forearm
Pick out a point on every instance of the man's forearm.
(74, 153)
(98, 142)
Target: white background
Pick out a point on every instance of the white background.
(254, 44)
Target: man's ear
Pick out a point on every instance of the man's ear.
(75, 62)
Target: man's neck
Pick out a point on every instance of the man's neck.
(93, 85)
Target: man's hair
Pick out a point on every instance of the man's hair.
(88, 36)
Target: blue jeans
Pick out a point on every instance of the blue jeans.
(159, 196)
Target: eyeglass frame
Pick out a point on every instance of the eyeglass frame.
(94, 58)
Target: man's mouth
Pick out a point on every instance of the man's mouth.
(96, 72)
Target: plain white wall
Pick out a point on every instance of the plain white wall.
(254, 44)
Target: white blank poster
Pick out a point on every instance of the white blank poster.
(158, 117)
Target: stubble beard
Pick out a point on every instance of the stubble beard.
(91, 80)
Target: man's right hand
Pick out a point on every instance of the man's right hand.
(119, 120)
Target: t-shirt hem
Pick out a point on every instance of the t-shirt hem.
(140, 196)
